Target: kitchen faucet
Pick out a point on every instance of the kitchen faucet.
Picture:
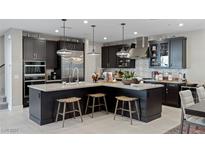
(75, 69)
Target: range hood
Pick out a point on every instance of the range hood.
(139, 49)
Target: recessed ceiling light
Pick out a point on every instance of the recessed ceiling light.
(181, 24)
(85, 21)
(56, 30)
(135, 33)
(105, 38)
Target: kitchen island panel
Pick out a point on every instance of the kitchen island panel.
(44, 105)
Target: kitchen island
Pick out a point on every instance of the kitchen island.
(43, 104)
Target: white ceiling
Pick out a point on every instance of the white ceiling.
(109, 28)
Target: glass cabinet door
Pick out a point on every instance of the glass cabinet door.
(164, 54)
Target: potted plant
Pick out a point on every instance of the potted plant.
(129, 78)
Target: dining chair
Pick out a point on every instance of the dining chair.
(201, 94)
(187, 100)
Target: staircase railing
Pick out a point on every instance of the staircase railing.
(2, 66)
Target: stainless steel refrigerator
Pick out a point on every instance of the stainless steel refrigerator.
(68, 64)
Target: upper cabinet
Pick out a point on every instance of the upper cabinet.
(169, 53)
(178, 52)
(105, 57)
(51, 56)
(110, 60)
(34, 49)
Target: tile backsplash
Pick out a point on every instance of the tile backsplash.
(142, 69)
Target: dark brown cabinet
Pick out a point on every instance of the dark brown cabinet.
(110, 60)
(170, 94)
(51, 56)
(105, 57)
(28, 48)
(178, 52)
(168, 53)
(34, 49)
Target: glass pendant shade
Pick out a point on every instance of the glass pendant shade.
(122, 53)
(64, 52)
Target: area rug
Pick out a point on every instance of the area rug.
(193, 130)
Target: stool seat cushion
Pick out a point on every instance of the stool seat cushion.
(125, 98)
(97, 95)
(69, 100)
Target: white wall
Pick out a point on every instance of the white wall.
(196, 56)
(13, 68)
(91, 62)
(2, 62)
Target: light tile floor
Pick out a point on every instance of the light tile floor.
(18, 122)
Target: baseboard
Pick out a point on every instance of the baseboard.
(16, 108)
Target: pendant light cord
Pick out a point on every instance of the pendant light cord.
(93, 37)
(123, 33)
(93, 26)
(64, 20)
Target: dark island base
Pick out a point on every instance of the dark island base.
(43, 105)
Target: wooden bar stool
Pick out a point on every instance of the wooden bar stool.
(96, 96)
(129, 100)
(70, 100)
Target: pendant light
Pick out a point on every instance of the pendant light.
(64, 52)
(93, 50)
(123, 53)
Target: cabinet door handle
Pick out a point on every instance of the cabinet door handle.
(167, 91)
(39, 95)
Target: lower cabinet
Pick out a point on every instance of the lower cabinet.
(170, 93)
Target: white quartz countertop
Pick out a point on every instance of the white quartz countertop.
(59, 86)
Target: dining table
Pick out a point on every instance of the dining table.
(197, 109)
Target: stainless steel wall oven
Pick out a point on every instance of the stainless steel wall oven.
(34, 73)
